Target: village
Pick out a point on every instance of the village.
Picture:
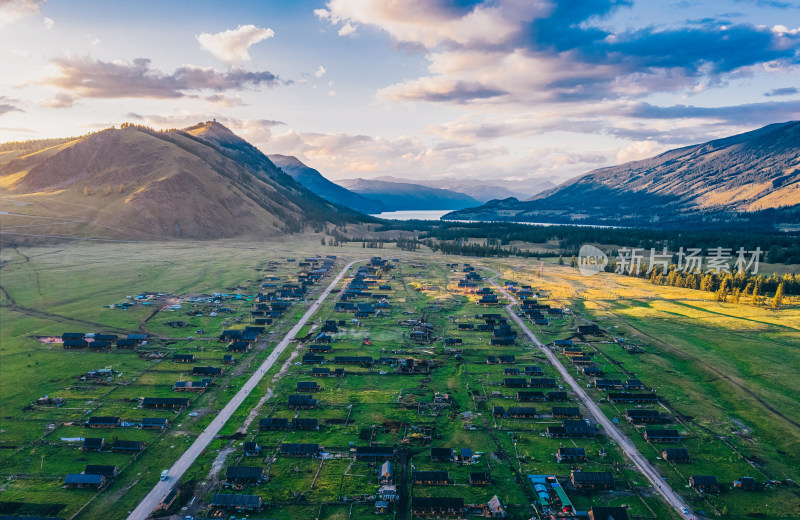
(412, 394)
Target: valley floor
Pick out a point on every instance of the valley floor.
(726, 375)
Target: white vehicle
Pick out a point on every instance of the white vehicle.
(164, 474)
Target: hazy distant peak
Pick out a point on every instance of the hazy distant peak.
(286, 160)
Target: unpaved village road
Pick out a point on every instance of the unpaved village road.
(177, 470)
(612, 431)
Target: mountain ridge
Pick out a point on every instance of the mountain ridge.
(134, 182)
(328, 190)
(752, 174)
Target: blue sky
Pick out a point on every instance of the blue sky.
(506, 89)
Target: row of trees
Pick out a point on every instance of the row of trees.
(739, 287)
(778, 248)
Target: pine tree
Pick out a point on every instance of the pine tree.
(756, 299)
(778, 300)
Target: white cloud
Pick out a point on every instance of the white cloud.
(320, 72)
(428, 23)
(48, 23)
(13, 10)
(231, 46)
(348, 29)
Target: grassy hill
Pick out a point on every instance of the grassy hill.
(134, 183)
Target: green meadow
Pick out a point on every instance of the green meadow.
(726, 375)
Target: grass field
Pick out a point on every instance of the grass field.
(727, 374)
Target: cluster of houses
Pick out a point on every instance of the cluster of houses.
(365, 295)
(530, 306)
(97, 476)
(94, 341)
(628, 392)
(425, 506)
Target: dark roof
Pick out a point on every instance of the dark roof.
(103, 420)
(676, 453)
(272, 422)
(80, 478)
(522, 410)
(381, 451)
(127, 445)
(441, 452)
(93, 442)
(302, 399)
(205, 371)
(169, 497)
(154, 421)
(301, 423)
(662, 434)
(704, 480)
(572, 452)
(293, 447)
(244, 473)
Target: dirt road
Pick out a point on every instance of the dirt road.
(177, 470)
(627, 446)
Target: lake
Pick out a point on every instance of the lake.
(427, 214)
(436, 214)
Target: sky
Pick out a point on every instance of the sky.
(421, 89)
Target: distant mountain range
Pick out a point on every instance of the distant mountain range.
(132, 183)
(483, 190)
(400, 196)
(373, 196)
(751, 178)
(314, 181)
